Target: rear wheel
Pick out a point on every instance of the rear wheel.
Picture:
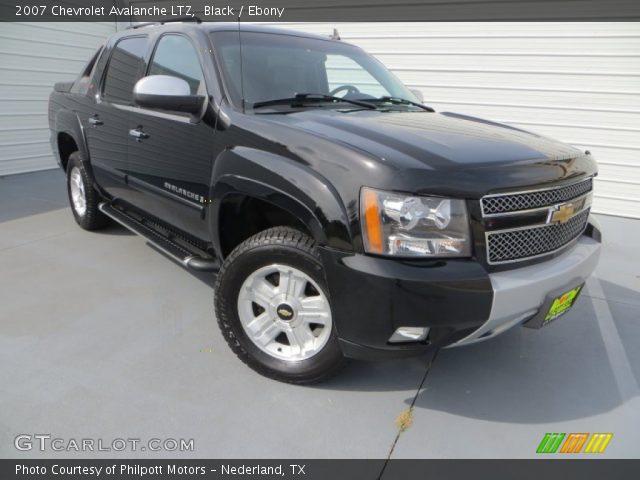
(83, 198)
(273, 308)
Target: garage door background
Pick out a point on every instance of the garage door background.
(577, 82)
(33, 56)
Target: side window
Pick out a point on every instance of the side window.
(123, 69)
(343, 70)
(175, 56)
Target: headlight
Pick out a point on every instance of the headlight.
(412, 226)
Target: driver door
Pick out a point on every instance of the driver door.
(170, 156)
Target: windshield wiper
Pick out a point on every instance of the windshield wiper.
(303, 99)
(399, 101)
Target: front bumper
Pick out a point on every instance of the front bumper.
(458, 300)
(519, 294)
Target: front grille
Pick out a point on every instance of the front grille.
(519, 244)
(503, 203)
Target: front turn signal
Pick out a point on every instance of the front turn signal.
(372, 234)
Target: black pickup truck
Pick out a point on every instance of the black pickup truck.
(342, 216)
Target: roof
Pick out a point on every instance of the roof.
(226, 27)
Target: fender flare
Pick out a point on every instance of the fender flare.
(286, 183)
(68, 122)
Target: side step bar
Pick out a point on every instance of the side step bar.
(162, 243)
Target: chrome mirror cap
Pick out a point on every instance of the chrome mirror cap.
(164, 85)
(169, 93)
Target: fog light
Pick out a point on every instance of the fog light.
(409, 334)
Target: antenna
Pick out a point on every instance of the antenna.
(241, 67)
(335, 35)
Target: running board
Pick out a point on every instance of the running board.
(166, 245)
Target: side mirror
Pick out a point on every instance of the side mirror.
(418, 94)
(166, 93)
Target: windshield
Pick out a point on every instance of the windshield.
(277, 66)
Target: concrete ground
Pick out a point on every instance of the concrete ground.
(103, 337)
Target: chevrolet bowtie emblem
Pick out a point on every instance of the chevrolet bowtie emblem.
(563, 213)
(283, 312)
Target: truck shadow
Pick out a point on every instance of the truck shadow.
(560, 372)
(116, 230)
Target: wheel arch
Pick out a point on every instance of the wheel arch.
(278, 184)
(69, 137)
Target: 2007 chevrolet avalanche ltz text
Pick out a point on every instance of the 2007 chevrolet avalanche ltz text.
(342, 216)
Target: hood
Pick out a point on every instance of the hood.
(446, 152)
(433, 140)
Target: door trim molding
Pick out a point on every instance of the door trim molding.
(142, 185)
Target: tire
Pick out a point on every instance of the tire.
(273, 308)
(83, 198)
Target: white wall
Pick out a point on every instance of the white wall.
(33, 56)
(578, 82)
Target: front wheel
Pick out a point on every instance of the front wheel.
(273, 307)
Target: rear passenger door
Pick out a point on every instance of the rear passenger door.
(107, 122)
(170, 153)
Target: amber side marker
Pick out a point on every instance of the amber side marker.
(372, 220)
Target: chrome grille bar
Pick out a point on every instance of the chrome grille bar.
(501, 203)
(508, 245)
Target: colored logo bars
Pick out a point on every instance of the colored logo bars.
(573, 443)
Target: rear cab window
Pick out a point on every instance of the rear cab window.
(82, 83)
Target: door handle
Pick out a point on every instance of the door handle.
(95, 121)
(138, 134)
